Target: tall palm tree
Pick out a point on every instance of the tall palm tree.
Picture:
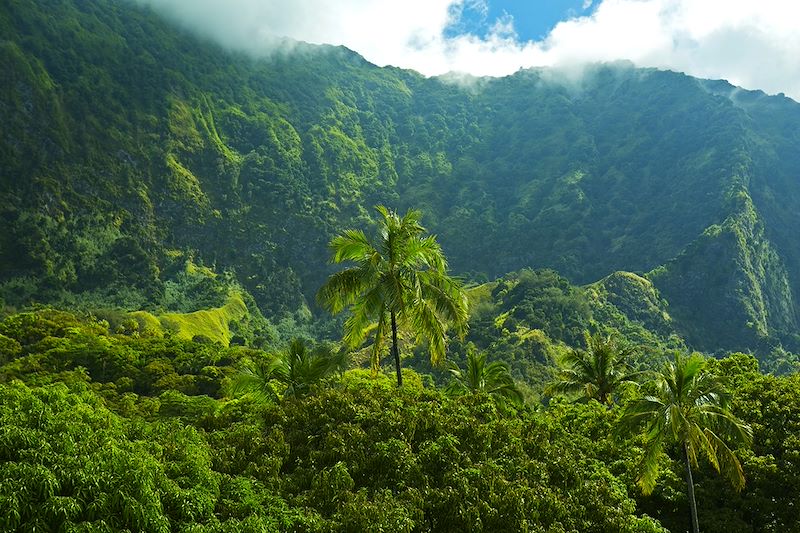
(597, 372)
(297, 368)
(690, 409)
(400, 280)
(493, 378)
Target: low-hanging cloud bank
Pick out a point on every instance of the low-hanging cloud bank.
(752, 44)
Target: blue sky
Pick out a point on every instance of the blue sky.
(533, 19)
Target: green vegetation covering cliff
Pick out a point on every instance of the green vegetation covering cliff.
(730, 288)
(167, 212)
(531, 318)
(129, 147)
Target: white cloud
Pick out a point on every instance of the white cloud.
(755, 44)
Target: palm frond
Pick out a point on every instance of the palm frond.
(364, 312)
(351, 245)
(345, 287)
(649, 467)
(424, 252)
(499, 382)
(448, 298)
(637, 413)
(477, 371)
(726, 461)
(569, 383)
(255, 378)
(456, 387)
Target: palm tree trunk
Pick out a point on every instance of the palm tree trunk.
(396, 351)
(690, 487)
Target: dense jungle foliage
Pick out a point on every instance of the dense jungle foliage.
(108, 432)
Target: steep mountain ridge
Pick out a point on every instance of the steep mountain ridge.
(731, 283)
(130, 147)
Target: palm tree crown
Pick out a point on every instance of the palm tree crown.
(493, 378)
(401, 280)
(597, 372)
(690, 409)
(297, 368)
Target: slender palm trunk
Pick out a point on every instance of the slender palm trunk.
(603, 397)
(396, 351)
(690, 486)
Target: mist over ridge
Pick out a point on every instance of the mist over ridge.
(751, 45)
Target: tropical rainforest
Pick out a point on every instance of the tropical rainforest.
(586, 281)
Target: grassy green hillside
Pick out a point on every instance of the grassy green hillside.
(530, 318)
(129, 147)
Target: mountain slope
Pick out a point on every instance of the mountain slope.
(130, 147)
(730, 285)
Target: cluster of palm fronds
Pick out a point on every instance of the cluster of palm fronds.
(491, 378)
(399, 280)
(295, 370)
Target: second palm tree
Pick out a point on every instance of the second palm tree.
(596, 372)
(689, 409)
